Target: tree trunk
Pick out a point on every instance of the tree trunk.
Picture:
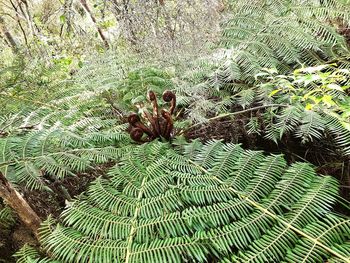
(14, 200)
(8, 35)
(99, 30)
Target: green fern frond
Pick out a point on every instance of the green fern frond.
(330, 230)
(198, 203)
(312, 127)
(253, 126)
(7, 217)
(28, 254)
(300, 26)
(246, 97)
(57, 153)
(257, 35)
(288, 120)
(340, 134)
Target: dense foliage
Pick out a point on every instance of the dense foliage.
(199, 202)
(314, 104)
(274, 72)
(275, 34)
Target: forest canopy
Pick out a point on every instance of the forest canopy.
(174, 131)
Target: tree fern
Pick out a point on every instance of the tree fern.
(98, 95)
(310, 104)
(212, 202)
(29, 254)
(312, 126)
(303, 34)
(56, 153)
(265, 34)
(79, 127)
(286, 122)
(341, 134)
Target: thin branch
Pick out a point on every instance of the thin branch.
(99, 29)
(234, 113)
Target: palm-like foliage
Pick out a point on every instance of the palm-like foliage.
(54, 143)
(201, 203)
(61, 136)
(56, 153)
(309, 104)
(80, 126)
(281, 34)
(139, 82)
(92, 99)
(77, 103)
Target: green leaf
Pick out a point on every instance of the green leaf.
(63, 19)
(274, 92)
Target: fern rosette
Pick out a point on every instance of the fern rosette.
(201, 203)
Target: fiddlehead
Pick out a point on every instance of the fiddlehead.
(160, 125)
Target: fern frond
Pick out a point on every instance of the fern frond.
(312, 127)
(288, 120)
(324, 231)
(7, 217)
(200, 202)
(28, 254)
(257, 35)
(339, 132)
(57, 153)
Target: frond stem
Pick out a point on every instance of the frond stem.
(134, 221)
(232, 114)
